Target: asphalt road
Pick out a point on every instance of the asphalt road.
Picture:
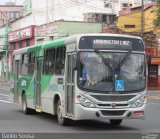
(12, 120)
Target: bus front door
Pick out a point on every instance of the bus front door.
(16, 77)
(70, 85)
(38, 84)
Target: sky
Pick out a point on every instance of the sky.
(18, 2)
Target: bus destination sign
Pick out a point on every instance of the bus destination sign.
(111, 43)
(99, 42)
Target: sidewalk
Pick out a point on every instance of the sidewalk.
(153, 92)
(4, 84)
(3, 80)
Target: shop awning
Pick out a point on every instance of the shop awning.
(155, 60)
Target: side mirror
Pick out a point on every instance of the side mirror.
(74, 60)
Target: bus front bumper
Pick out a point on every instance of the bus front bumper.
(84, 113)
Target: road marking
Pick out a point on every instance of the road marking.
(5, 101)
(5, 95)
(5, 88)
(5, 98)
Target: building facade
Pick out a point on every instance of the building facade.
(4, 30)
(61, 29)
(129, 20)
(19, 39)
(118, 5)
(8, 14)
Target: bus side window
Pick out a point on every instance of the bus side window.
(45, 62)
(49, 61)
(60, 60)
(31, 63)
(24, 65)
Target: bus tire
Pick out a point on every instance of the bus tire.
(25, 109)
(115, 122)
(61, 120)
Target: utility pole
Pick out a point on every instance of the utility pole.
(142, 18)
(7, 60)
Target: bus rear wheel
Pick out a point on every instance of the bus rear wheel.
(61, 120)
(25, 109)
(115, 122)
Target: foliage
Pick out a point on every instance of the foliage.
(157, 20)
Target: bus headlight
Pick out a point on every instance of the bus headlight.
(140, 102)
(85, 102)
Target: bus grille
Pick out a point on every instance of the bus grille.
(117, 105)
(113, 98)
(112, 113)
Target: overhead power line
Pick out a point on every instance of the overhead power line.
(68, 4)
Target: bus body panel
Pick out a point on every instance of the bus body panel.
(55, 86)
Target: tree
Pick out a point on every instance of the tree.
(157, 20)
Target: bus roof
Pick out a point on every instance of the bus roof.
(26, 49)
(75, 38)
(34, 48)
(53, 44)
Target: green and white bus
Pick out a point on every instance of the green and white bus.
(51, 78)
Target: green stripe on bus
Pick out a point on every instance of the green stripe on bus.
(53, 44)
(34, 48)
(45, 79)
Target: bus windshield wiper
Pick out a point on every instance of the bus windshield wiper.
(124, 59)
(105, 61)
(117, 70)
(108, 64)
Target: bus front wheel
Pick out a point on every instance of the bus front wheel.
(115, 122)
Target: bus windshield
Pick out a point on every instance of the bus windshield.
(99, 71)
